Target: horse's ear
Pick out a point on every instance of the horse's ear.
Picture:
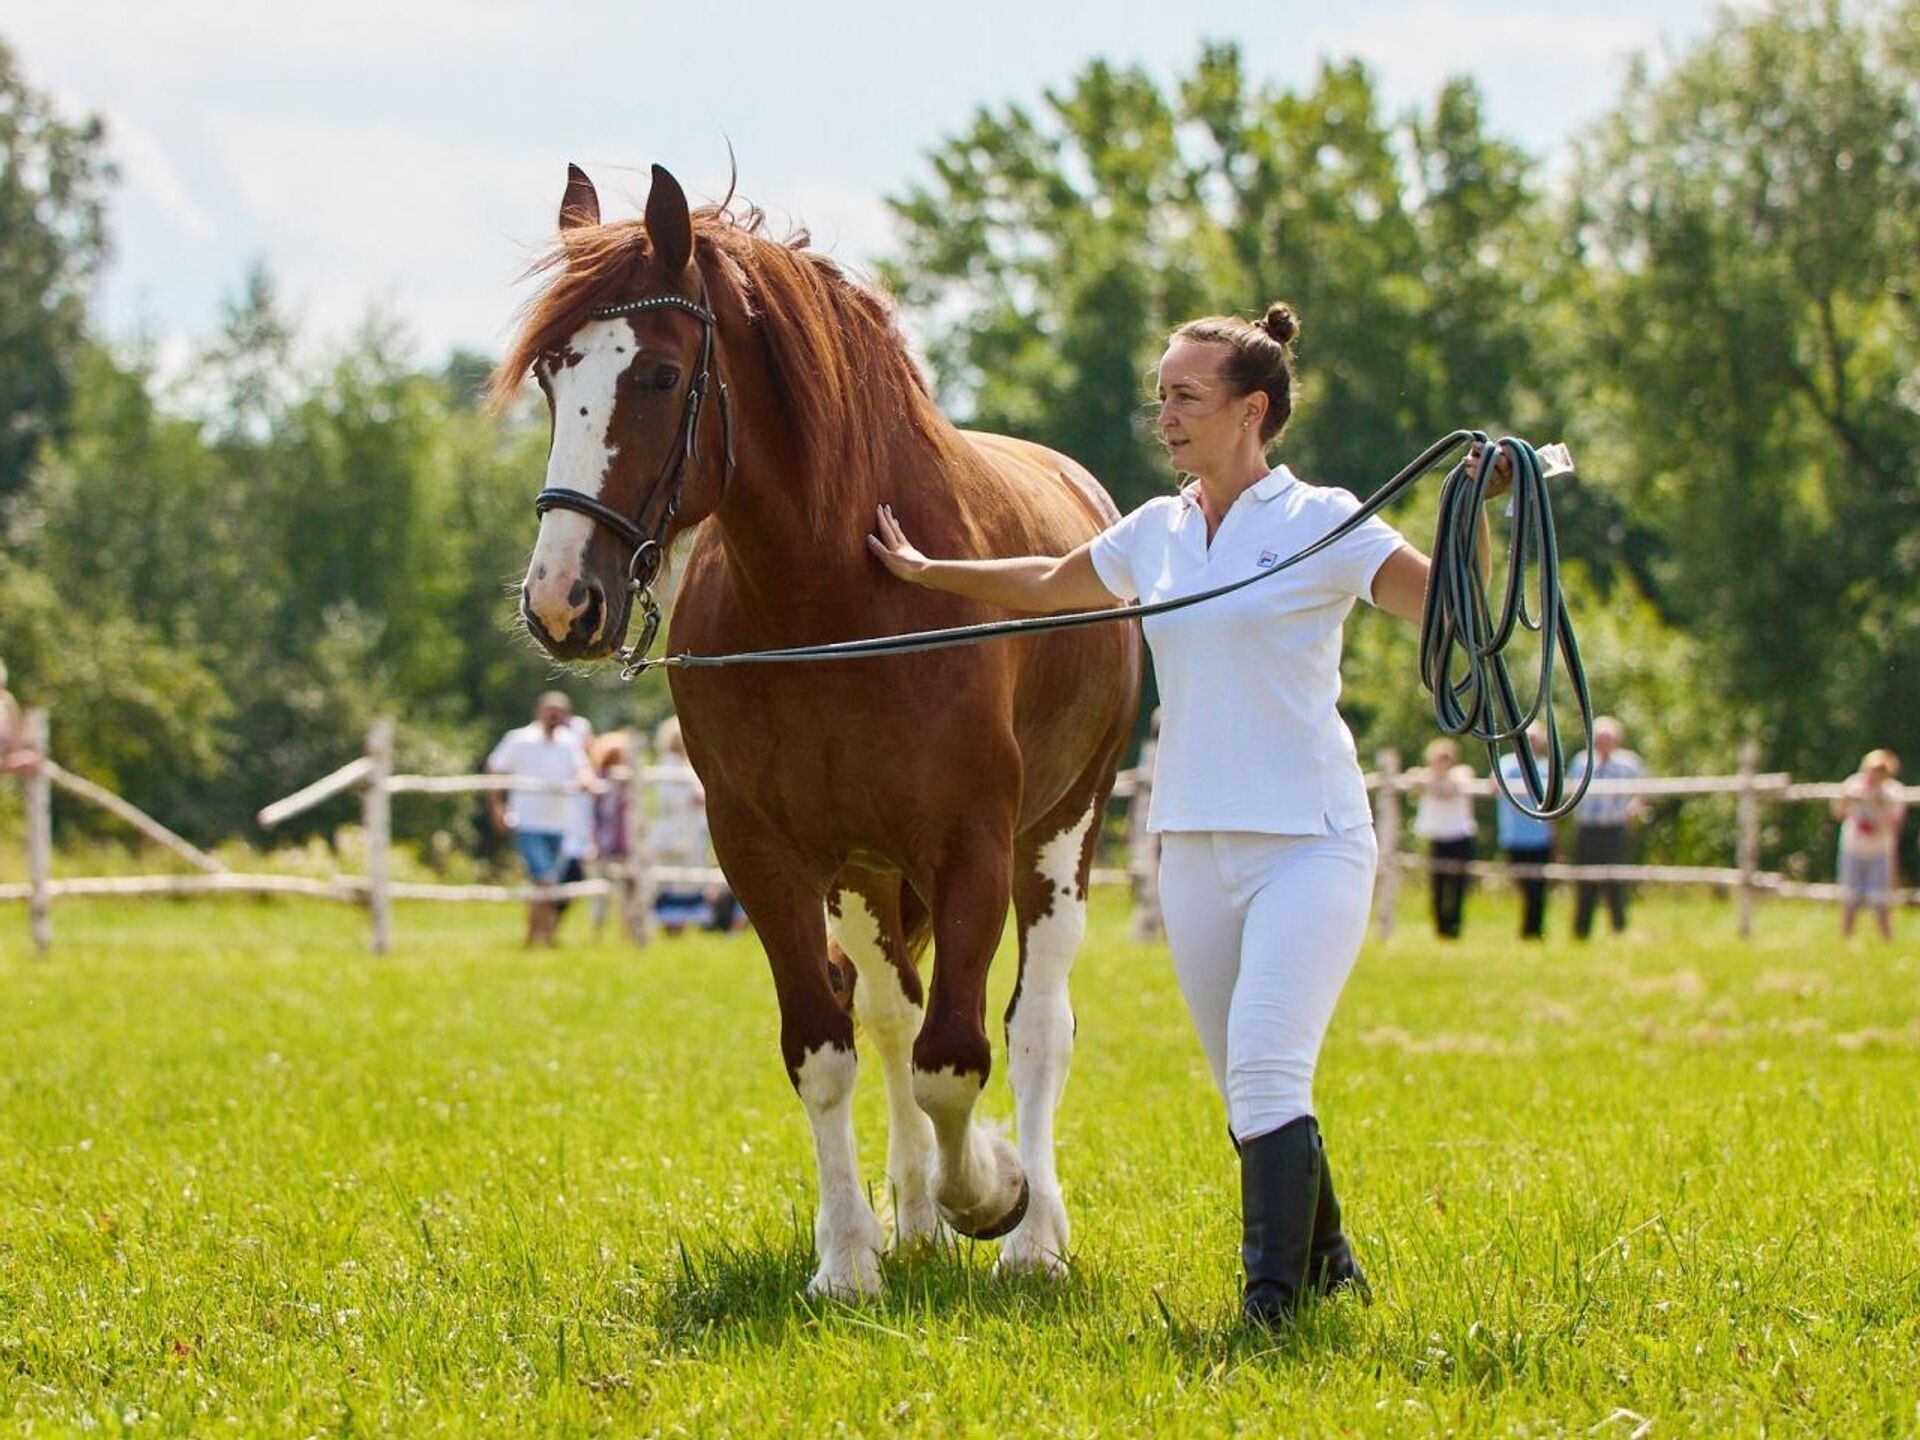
(669, 224)
(580, 205)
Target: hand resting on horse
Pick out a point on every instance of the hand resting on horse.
(1039, 584)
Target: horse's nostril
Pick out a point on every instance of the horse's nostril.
(578, 593)
(588, 623)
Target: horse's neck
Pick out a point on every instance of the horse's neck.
(792, 528)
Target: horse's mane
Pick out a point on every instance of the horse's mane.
(838, 359)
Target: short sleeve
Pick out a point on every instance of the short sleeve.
(500, 762)
(1113, 551)
(1357, 557)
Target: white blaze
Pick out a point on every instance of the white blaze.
(583, 400)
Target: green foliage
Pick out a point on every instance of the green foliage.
(53, 238)
(1750, 226)
(1052, 254)
(216, 608)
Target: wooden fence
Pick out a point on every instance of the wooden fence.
(634, 882)
(1751, 788)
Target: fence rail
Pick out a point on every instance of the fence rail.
(1751, 788)
(636, 880)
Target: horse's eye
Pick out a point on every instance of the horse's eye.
(666, 377)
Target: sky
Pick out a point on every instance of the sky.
(408, 156)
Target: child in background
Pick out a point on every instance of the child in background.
(1870, 810)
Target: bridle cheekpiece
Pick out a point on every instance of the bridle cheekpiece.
(649, 541)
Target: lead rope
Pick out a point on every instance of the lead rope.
(1462, 644)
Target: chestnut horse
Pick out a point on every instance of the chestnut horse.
(911, 797)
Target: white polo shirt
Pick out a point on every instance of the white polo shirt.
(1250, 734)
(558, 757)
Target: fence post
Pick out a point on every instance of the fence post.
(637, 888)
(1747, 855)
(1386, 823)
(1143, 849)
(377, 812)
(37, 786)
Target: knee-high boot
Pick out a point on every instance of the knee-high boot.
(1332, 1267)
(1280, 1186)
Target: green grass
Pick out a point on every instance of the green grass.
(255, 1181)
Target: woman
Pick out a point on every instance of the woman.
(1267, 858)
(1444, 819)
(1870, 810)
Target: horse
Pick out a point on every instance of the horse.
(859, 808)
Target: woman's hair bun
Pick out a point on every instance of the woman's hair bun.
(1280, 322)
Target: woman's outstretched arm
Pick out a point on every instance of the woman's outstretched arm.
(1039, 584)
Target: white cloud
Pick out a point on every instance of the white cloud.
(149, 173)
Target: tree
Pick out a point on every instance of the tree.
(53, 240)
(1752, 224)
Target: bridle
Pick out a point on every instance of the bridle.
(649, 541)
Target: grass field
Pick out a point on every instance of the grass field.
(254, 1181)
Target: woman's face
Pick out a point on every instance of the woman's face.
(1202, 424)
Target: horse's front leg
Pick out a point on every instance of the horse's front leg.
(979, 1184)
(864, 916)
(785, 904)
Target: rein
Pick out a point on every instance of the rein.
(1462, 642)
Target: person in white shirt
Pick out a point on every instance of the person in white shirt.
(1443, 818)
(548, 749)
(1870, 809)
(1267, 851)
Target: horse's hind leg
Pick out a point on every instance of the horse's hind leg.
(1050, 870)
(978, 1184)
(864, 916)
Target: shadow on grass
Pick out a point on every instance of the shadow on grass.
(756, 1287)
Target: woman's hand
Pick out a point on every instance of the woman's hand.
(1502, 469)
(894, 550)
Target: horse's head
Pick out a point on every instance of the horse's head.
(625, 378)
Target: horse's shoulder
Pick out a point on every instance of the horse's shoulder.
(1026, 460)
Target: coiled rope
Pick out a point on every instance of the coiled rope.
(1462, 639)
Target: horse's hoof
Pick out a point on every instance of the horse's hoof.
(995, 1229)
(1039, 1246)
(849, 1286)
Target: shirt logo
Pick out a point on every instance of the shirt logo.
(1268, 559)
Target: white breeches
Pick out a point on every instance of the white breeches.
(1264, 931)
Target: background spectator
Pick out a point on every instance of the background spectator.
(1603, 824)
(678, 836)
(16, 757)
(1444, 819)
(1870, 811)
(1525, 840)
(547, 749)
(611, 756)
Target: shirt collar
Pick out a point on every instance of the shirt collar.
(1265, 488)
(1275, 480)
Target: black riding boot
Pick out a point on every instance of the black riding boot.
(1280, 1187)
(1333, 1267)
